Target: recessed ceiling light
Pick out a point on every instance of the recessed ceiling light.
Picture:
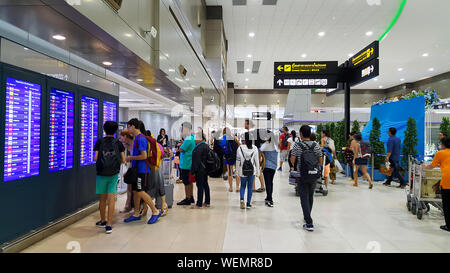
(59, 37)
(321, 34)
(350, 54)
(107, 63)
(25, 48)
(88, 81)
(249, 55)
(400, 69)
(402, 79)
(171, 70)
(425, 55)
(140, 80)
(431, 69)
(248, 69)
(369, 33)
(304, 55)
(128, 34)
(246, 87)
(157, 89)
(246, 80)
(380, 86)
(251, 34)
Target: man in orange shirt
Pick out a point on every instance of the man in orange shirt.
(442, 159)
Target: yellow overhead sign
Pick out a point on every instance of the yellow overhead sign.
(304, 67)
(363, 56)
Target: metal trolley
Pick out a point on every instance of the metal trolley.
(418, 199)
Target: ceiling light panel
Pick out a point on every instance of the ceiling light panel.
(240, 67)
(239, 2)
(270, 2)
(256, 66)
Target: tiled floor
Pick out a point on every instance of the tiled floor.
(347, 220)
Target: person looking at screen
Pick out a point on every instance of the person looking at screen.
(140, 186)
(109, 155)
(127, 140)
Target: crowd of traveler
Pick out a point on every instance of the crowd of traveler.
(254, 154)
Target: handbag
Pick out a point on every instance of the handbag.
(131, 176)
(338, 166)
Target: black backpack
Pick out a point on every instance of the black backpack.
(232, 147)
(310, 169)
(247, 166)
(285, 140)
(109, 160)
(213, 162)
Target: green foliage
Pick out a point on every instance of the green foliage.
(356, 127)
(377, 145)
(319, 132)
(339, 139)
(445, 126)
(333, 130)
(410, 142)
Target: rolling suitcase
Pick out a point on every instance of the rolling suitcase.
(165, 172)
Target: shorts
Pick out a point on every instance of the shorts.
(284, 155)
(230, 162)
(361, 161)
(184, 175)
(141, 184)
(106, 184)
(326, 171)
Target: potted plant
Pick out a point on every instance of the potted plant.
(377, 148)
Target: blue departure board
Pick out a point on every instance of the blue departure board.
(89, 129)
(61, 132)
(22, 129)
(109, 112)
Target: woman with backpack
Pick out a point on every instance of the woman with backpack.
(270, 152)
(247, 167)
(229, 146)
(199, 170)
(360, 160)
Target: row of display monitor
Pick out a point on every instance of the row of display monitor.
(23, 128)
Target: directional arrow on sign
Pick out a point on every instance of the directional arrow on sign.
(280, 68)
(280, 82)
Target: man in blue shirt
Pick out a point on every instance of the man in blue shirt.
(393, 157)
(186, 163)
(140, 187)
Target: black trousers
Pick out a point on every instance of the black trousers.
(202, 188)
(268, 179)
(306, 190)
(395, 165)
(446, 206)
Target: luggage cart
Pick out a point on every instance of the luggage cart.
(165, 172)
(418, 199)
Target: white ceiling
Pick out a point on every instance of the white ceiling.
(286, 31)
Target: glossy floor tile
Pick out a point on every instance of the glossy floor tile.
(347, 220)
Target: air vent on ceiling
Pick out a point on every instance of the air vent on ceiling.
(240, 67)
(270, 2)
(239, 2)
(256, 65)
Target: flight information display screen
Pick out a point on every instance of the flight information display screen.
(22, 129)
(61, 133)
(109, 112)
(89, 129)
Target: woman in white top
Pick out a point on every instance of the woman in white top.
(291, 141)
(247, 167)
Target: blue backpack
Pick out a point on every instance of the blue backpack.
(328, 156)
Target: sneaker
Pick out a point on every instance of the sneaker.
(387, 183)
(132, 218)
(191, 200)
(108, 229)
(271, 204)
(242, 204)
(445, 228)
(308, 227)
(154, 219)
(100, 224)
(249, 206)
(184, 202)
(260, 190)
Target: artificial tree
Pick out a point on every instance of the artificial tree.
(319, 132)
(356, 127)
(410, 141)
(445, 126)
(333, 131)
(376, 144)
(339, 139)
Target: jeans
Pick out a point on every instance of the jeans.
(202, 187)
(306, 190)
(247, 182)
(396, 173)
(446, 206)
(268, 178)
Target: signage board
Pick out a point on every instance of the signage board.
(305, 68)
(364, 72)
(304, 82)
(367, 54)
(261, 116)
